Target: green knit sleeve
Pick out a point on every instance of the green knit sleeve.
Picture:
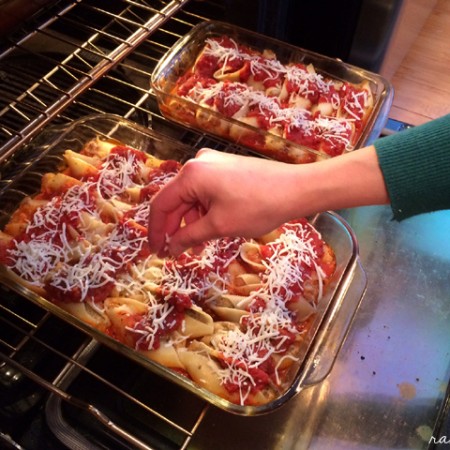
(416, 168)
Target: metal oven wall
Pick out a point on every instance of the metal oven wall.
(355, 31)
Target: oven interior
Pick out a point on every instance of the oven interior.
(71, 59)
(58, 387)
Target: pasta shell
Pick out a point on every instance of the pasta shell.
(108, 210)
(197, 323)
(256, 85)
(284, 92)
(94, 230)
(273, 91)
(262, 396)
(231, 314)
(311, 289)
(133, 193)
(100, 148)
(123, 312)
(55, 183)
(323, 108)
(247, 283)
(210, 122)
(251, 255)
(235, 301)
(297, 101)
(226, 307)
(80, 166)
(86, 313)
(166, 355)
(19, 219)
(270, 237)
(368, 103)
(153, 274)
(202, 347)
(152, 161)
(221, 327)
(225, 73)
(16, 228)
(203, 370)
(302, 309)
(121, 206)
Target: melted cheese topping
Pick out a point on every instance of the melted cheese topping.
(304, 80)
(292, 251)
(270, 67)
(116, 175)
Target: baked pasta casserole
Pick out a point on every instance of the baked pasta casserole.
(287, 111)
(230, 318)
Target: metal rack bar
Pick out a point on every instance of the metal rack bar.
(12, 363)
(106, 63)
(74, 401)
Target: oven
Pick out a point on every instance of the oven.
(60, 389)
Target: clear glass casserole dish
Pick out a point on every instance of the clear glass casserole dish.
(21, 177)
(281, 101)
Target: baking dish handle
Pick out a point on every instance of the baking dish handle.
(332, 335)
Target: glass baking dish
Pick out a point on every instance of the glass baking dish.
(20, 176)
(291, 143)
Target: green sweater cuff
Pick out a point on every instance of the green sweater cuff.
(416, 168)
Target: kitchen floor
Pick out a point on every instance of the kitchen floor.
(422, 81)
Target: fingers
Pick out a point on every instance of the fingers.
(167, 210)
(171, 206)
(204, 152)
(200, 202)
(191, 235)
(170, 236)
(165, 226)
(176, 203)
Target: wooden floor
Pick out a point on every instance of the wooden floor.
(422, 80)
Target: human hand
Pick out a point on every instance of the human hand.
(219, 194)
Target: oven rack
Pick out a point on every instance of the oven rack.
(74, 59)
(61, 62)
(39, 354)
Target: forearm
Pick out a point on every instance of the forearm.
(351, 180)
